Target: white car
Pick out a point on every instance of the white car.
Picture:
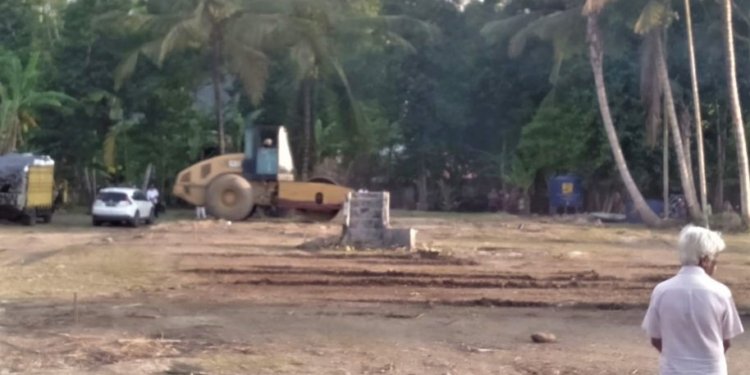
(113, 205)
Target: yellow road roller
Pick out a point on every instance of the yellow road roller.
(234, 186)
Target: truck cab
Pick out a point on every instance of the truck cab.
(27, 188)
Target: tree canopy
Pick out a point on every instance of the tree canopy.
(449, 99)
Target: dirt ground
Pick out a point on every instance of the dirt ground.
(265, 297)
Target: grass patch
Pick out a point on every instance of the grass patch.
(473, 216)
(89, 271)
(250, 364)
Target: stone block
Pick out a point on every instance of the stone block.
(367, 223)
(401, 238)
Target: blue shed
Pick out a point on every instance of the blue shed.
(565, 192)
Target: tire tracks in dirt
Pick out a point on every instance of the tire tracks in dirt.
(340, 274)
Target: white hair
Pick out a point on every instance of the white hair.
(696, 243)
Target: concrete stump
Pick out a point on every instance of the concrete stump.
(367, 223)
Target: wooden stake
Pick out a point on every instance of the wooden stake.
(75, 308)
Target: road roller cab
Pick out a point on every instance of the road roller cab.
(267, 154)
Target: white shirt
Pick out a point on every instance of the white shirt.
(692, 314)
(152, 195)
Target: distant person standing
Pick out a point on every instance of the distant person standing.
(152, 194)
(200, 213)
(493, 200)
(692, 317)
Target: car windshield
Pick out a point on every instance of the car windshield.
(112, 197)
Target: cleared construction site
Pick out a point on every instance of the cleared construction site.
(280, 296)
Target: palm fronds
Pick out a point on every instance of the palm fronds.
(20, 98)
(563, 29)
(655, 15)
(500, 31)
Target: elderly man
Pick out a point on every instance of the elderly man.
(692, 317)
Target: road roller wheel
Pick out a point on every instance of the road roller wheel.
(229, 197)
(318, 216)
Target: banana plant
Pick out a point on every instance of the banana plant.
(116, 132)
(21, 98)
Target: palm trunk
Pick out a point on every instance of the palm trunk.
(687, 141)
(596, 55)
(422, 201)
(216, 51)
(9, 140)
(697, 115)
(525, 202)
(665, 171)
(736, 110)
(720, 162)
(308, 127)
(688, 186)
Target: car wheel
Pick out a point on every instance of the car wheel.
(96, 222)
(136, 220)
(150, 219)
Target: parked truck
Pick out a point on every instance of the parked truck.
(27, 188)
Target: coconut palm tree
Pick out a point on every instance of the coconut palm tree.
(736, 110)
(686, 176)
(316, 58)
(594, 37)
(232, 31)
(655, 17)
(20, 99)
(697, 113)
(313, 34)
(564, 29)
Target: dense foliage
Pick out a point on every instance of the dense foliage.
(430, 97)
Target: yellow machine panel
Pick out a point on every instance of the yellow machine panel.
(40, 187)
(314, 196)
